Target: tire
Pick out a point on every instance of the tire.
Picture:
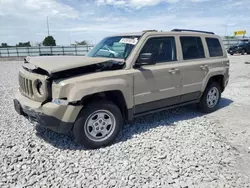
(204, 104)
(248, 52)
(243, 51)
(89, 125)
(232, 54)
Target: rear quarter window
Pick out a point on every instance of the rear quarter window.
(192, 47)
(214, 47)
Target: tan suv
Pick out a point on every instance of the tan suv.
(142, 73)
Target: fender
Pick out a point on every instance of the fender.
(80, 90)
(217, 71)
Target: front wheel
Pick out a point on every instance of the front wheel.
(243, 52)
(98, 124)
(210, 98)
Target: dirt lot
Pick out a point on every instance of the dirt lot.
(174, 148)
(234, 120)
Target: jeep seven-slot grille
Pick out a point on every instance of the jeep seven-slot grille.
(26, 86)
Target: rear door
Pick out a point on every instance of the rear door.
(193, 68)
(157, 86)
(199, 57)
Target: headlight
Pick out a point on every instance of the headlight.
(39, 87)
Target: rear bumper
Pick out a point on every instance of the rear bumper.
(55, 117)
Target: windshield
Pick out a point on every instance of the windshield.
(114, 47)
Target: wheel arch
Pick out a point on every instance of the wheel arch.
(219, 78)
(115, 96)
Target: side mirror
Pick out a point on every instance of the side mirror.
(145, 59)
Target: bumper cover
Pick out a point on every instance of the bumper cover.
(234, 51)
(51, 116)
(43, 120)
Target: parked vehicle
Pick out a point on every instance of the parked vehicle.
(92, 96)
(107, 52)
(242, 48)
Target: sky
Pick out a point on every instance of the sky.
(91, 20)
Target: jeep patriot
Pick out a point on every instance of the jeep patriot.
(122, 77)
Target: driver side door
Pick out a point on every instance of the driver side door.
(157, 85)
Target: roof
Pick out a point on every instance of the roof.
(165, 33)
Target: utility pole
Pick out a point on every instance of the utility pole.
(69, 38)
(48, 25)
(226, 30)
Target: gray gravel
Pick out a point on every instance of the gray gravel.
(175, 148)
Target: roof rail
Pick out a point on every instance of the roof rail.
(189, 30)
(152, 30)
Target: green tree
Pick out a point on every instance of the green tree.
(4, 45)
(49, 41)
(229, 37)
(23, 44)
(84, 42)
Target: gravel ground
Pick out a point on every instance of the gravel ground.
(175, 148)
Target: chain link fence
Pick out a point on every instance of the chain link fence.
(42, 51)
(68, 50)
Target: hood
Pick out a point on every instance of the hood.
(53, 64)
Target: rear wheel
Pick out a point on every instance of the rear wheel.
(98, 124)
(210, 98)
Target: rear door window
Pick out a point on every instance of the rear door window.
(214, 47)
(192, 47)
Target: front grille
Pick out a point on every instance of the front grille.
(26, 86)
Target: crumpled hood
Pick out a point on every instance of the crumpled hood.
(53, 64)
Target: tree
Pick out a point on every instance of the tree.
(229, 37)
(84, 42)
(49, 41)
(4, 45)
(23, 44)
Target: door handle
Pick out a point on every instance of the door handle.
(176, 70)
(204, 67)
(172, 71)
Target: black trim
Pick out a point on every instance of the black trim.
(156, 104)
(166, 108)
(190, 96)
(167, 103)
(190, 30)
(131, 114)
(43, 120)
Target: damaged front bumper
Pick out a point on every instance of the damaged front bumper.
(58, 118)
